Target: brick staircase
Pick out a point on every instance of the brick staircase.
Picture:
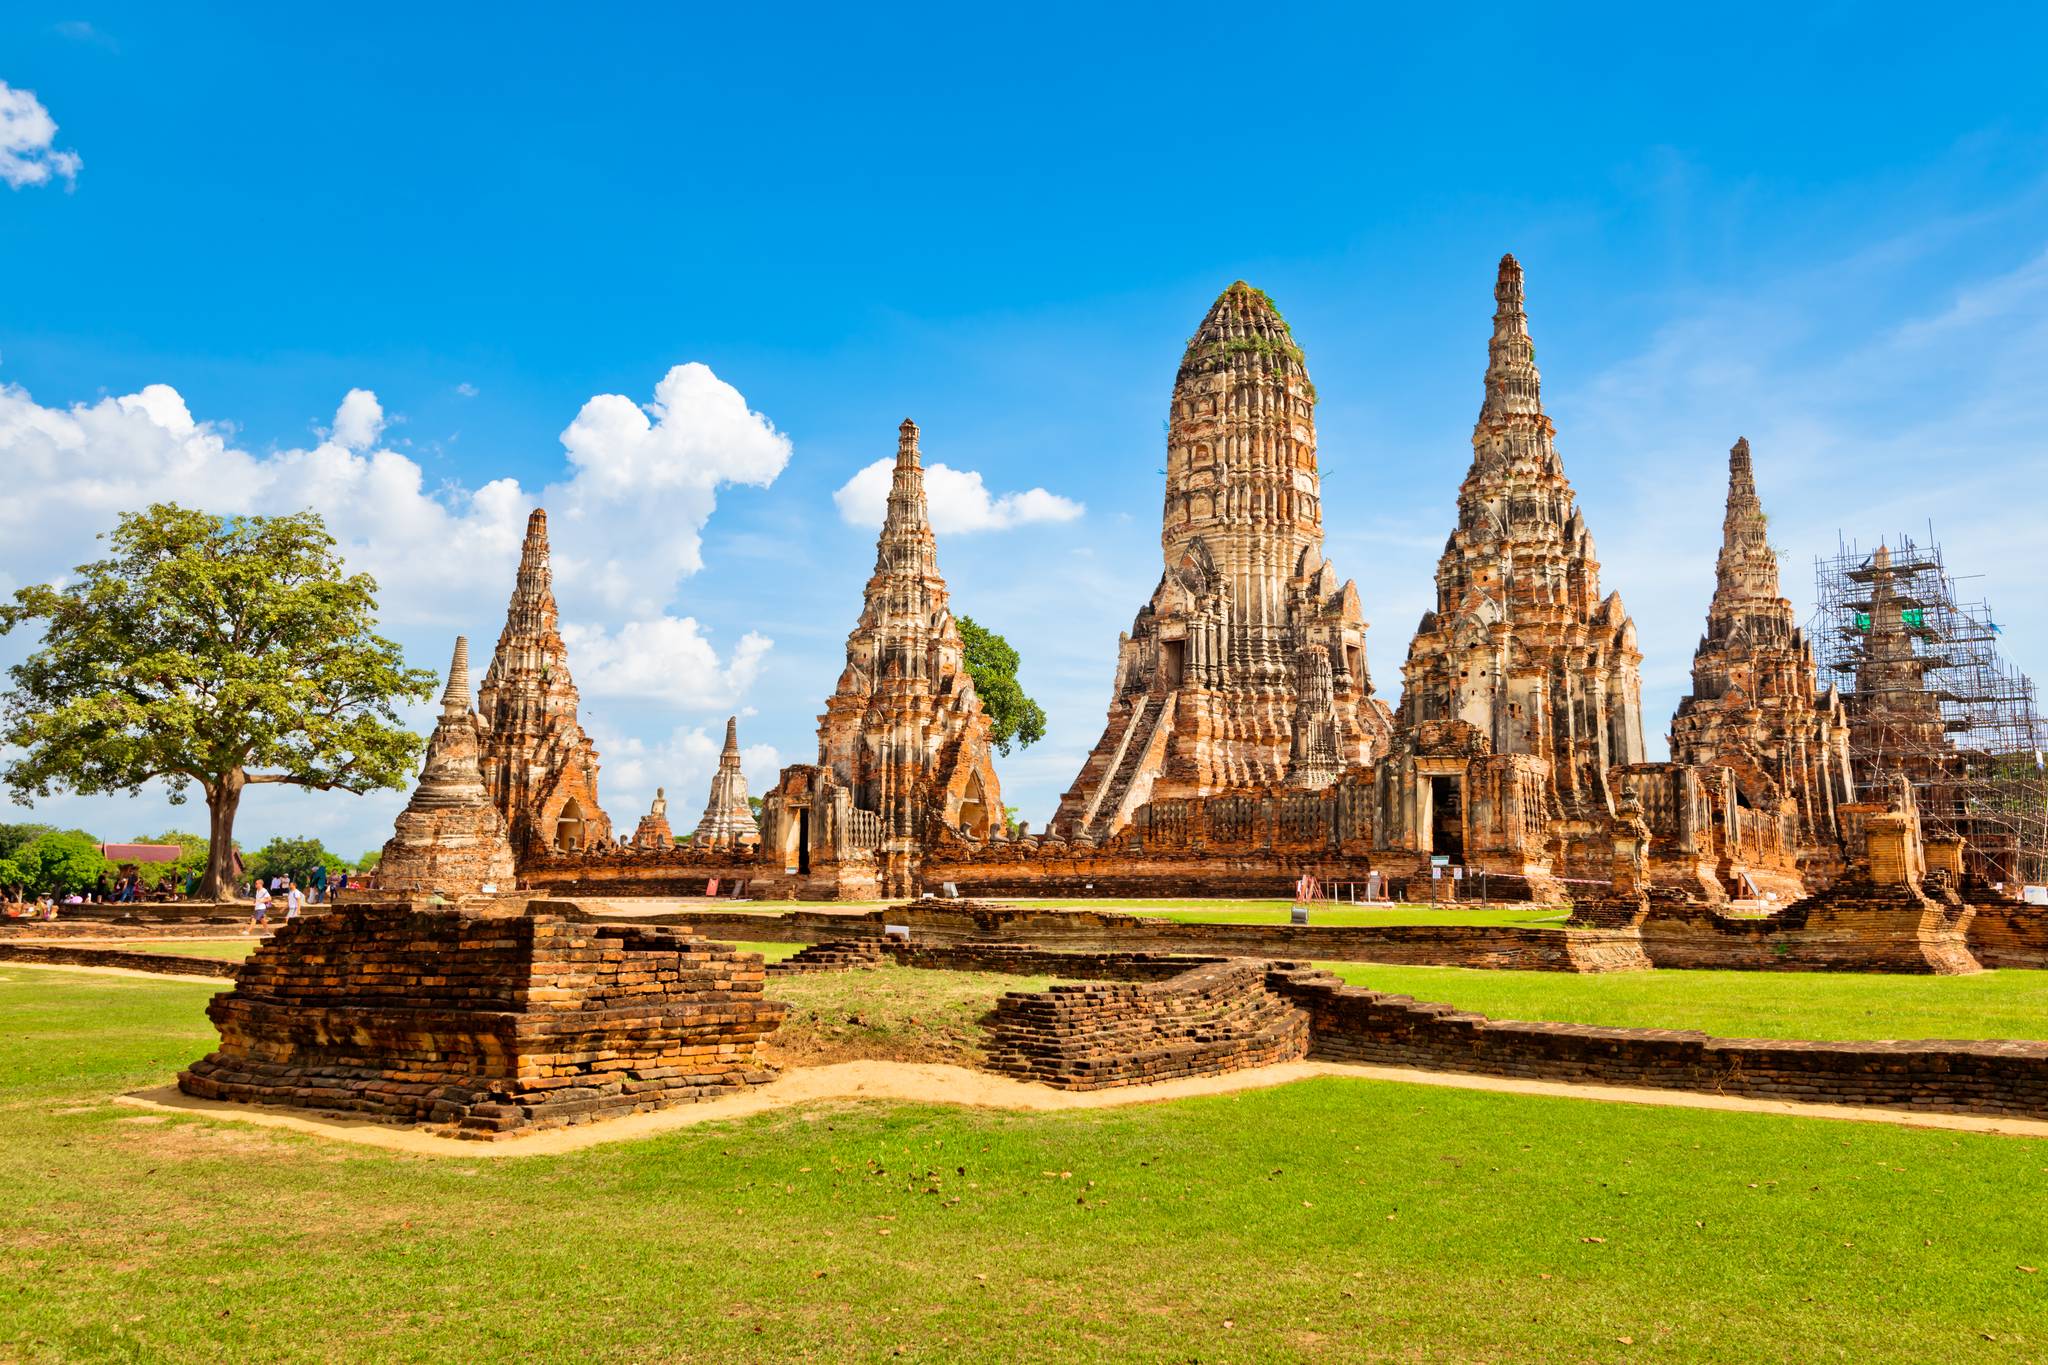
(857, 954)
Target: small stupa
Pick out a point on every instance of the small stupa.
(451, 838)
(728, 818)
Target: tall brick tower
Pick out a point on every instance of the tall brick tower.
(1247, 668)
(1753, 707)
(540, 766)
(904, 731)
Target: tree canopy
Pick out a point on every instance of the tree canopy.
(294, 858)
(210, 652)
(59, 862)
(992, 663)
(13, 837)
(192, 857)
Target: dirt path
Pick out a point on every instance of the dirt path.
(931, 1083)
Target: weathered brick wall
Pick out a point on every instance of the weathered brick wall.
(1507, 947)
(2005, 935)
(1356, 1025)
(491, 1022)
(1850, 926)
(164, 964)
(1210, 1019)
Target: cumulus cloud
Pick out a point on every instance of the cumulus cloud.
(667, 659)
(958, 500)
(646, 478)
(28, 154)
(442, 554)
(359, 421)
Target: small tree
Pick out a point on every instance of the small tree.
(294, 858)
(60, 862)
(992, 663)
(213, 652)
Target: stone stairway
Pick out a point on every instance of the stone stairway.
(1212, 1019)
(859, 954)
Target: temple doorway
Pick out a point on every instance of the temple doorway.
(803, 841)
(569, 828)
(1174, 658)
(1447, 817)
(974, 811)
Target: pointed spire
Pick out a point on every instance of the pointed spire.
(731, 753)
(907, 456)
(906, 530)
(455, 699)
(1513, 387)
(728, 818)
(535, 576)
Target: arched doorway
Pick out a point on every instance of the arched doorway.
(569, 827)
(974, 811)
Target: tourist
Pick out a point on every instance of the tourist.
(319, 883)
(293, 899)
(261, 913)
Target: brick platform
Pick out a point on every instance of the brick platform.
(493, 1023)
(1213, 1018)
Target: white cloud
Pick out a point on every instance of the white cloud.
(646, 481)
(27, 134)
(359, 421)
(958, 500)
(466, 389)
(666, 659)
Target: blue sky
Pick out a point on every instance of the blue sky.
(1827, 231)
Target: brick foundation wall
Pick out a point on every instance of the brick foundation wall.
(1356, 1025)
(1852, 926)
(1213, 1018)
(1504, 947)
(494, 1023)
(163, 964)
(2009, 936)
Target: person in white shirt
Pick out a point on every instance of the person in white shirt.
(262, 910)
(293, 899)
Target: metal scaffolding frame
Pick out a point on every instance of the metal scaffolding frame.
(1975, 756)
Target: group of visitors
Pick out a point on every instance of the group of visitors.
(43, 907)
(285, 890)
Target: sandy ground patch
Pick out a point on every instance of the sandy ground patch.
(930, 1083)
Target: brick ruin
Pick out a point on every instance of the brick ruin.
(728, 817)
(1754, 708)
(1247, 668)
(450, 840)
(903, 746)
(493, 1023)
(539, 765)
(1243, 743)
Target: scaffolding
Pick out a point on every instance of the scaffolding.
(1930, 698)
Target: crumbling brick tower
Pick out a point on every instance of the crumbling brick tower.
(1753, 707)
(904, 733)
(1522, 686)
(728, 817)
(540, 767)
(1247, 668)
(450, 839)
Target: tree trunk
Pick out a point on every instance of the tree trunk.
(222, 800)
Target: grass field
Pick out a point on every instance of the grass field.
(1219, 911)
(1334, 1220)
(1820, 1005)
(229, 949)
(898, 1014)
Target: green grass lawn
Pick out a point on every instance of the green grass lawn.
(1336, 1220)
(1821, 1005)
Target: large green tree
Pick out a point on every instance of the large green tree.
(992, 663)
(209, 652)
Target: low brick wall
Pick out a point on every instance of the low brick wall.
(1356, 1025)
(1499, 947)
(490, 1022)
(1850, 927)
(2010, 936)
(1210, 1019)
(163, 964)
